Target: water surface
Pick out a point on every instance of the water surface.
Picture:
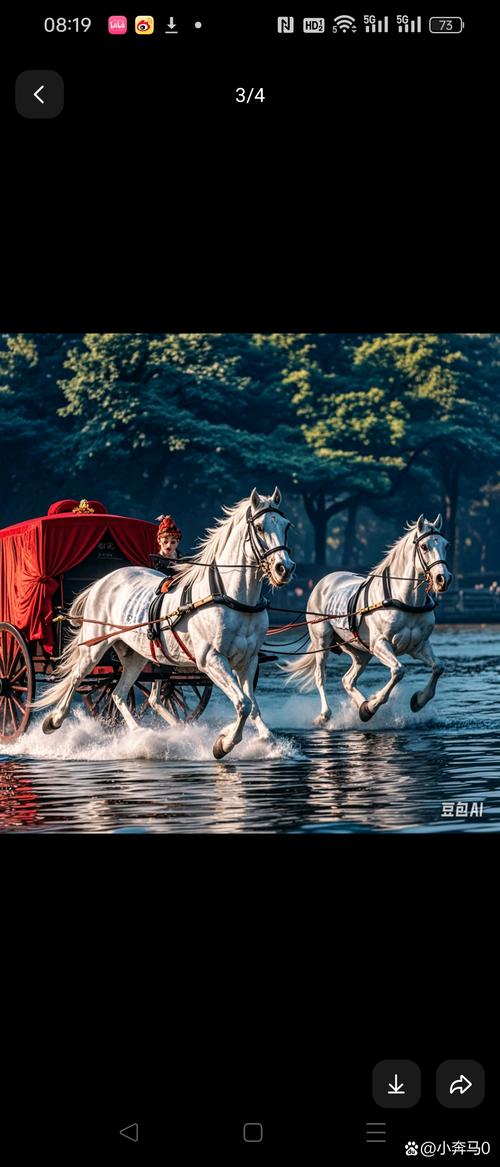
(393, 774)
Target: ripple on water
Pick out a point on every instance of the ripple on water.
(391, 774)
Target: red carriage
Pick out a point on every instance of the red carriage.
(44, 563)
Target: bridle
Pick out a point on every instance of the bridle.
(258, 547)
(417, 539)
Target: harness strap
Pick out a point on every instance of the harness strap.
(354, 611)
(416, 543)
(403, 607)
(260, 551)
(182, 645)
(214, 580)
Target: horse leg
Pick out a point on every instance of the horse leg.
(155, 703)
(384, 652)
(219, 670)
(322, 638)
(358, 666)
(325, 712)
(422, 696)
(133, 664)
(88, 658)
(247, 683)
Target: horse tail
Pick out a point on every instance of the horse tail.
(59, 689)
(301, 671)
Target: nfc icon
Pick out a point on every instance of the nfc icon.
(314, 24)
(286, 23)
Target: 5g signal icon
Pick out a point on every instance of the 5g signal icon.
(344, 23)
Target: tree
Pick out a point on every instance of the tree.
(31, 431)
(448, 384)
(352, 430)
(186, 417)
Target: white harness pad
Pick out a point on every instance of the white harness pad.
(338, 600)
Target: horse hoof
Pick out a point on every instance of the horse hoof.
(218, 749)
(414, 705)
(48, 725)
(365, 712)
(322, 718)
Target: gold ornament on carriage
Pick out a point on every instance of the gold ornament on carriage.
(83, 508)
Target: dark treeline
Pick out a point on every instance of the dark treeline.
(360, 432)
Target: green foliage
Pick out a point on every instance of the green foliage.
(150, 422)
(31, 366)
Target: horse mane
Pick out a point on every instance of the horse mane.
(214, 540)
(395, 549)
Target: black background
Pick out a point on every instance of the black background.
(196, 983)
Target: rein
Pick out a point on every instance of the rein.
(218, 595)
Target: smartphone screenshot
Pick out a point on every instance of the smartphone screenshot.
(249, 587)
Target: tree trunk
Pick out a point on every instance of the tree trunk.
(316, 512)
(320, 538)
(349, 535)
(451, 478)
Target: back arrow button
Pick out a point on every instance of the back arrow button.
(131, 1132)
(39, 93)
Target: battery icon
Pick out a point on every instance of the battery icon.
(446, 24)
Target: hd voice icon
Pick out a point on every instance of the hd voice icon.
(314, 24)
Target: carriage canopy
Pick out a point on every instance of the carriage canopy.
(34, 555)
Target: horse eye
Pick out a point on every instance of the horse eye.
(260, 530)
(424, 546)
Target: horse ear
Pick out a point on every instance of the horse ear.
(254, 499)
(420, 524)
(438, 523)
(276, 496)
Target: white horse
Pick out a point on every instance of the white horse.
(222, 625)
(394, 618)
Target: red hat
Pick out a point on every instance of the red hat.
(167, 526)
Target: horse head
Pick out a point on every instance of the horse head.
(267, 531)
(431, 547)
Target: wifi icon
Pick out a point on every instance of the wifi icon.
(344, 23)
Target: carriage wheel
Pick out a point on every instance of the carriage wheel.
(186, 700)
(17, 683)
(98, 701)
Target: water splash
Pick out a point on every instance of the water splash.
(82, 739)
(300, 710)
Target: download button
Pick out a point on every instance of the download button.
(396, 1084)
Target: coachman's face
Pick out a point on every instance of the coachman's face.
(168, 544)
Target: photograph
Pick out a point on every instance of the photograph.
(250, 583)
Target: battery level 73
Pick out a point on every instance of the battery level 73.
(446, 24)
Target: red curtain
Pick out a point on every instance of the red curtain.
(34, 554)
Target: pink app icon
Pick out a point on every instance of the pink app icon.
(117, 25)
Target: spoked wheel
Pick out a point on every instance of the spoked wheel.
(17, 683)
(98, 700)
(186, 699)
